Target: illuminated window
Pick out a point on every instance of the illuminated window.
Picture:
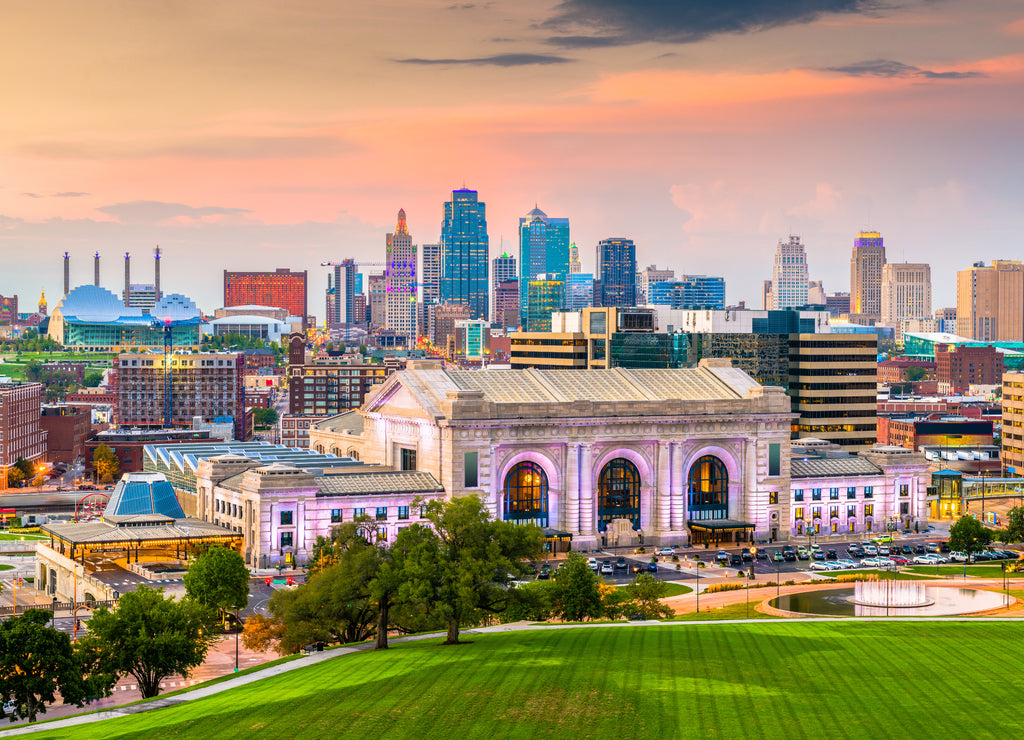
(526, 494)
(708, 488)
(618, 493)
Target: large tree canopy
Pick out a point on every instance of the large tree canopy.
(219, 580)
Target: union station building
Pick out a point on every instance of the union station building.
(620, 457)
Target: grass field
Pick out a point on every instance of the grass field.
(977, 571)
(903, 575)
(676, 589)
(7, 537)
(6, 567)
(762, 680)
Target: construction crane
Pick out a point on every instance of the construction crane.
(349, 263)
(167, 326)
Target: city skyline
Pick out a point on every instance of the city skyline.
(731, 133)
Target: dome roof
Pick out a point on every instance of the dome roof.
(93, 304)
(175, 307)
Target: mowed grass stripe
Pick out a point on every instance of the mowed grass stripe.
(788, 680)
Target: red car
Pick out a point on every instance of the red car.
(899, 560)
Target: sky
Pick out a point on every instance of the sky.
(286, 133)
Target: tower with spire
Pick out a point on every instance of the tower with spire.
(400, 281)
(543, 250)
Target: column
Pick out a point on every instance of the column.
(663, 488)
(494, 500)
(678, 505)
(571, 486)
(586, 472)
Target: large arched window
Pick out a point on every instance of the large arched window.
(618, 494)
(526, 494)
(708, 489)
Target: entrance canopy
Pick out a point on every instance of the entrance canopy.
(714, 531)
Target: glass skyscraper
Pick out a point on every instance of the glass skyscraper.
(688, 291)
(544, 295)
(579, 291)
(464, 253)
(616, 269)
(543, 250)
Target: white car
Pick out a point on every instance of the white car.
(821, 565)
(9, 708)
(594, 565)
(883, 550)
(847, 563)
(666, 552)
(925, 560)
(958, 557)
(870, 550)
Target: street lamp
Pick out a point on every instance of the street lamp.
(753, 562)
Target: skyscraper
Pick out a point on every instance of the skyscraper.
(906, 292)
(545, 295)
(464, 257)
(990, 301)
(866, 264)
(342, 295)
(616, 269)
(789, 275)
(503, 269)
(579, 291)
(543, 249)
(648, 276)
(400, 281)
(430, 290)
(575, 266)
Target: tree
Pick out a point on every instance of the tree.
(968, 536)
(219, 580)
(37, 662)
(93, 378)
(264, 417)
(14, 477)
(645, 594)
(460, 571)
(915, 374)
(262, 633)
(386, 585)
(105, 463)
(1015, 527)
(151, 637)
(576, 595)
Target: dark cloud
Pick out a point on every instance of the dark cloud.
(621, 22)
(890, 68)
(202, 147)
(31, 195)
(498, 60)
(70, 194)
(153, 211)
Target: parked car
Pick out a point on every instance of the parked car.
(919, 549)
(762, 554)
(924, 560)
(594, 565)
(871, 550)
(652, 567)
(847, 563)
(636, 568)
(620, 564)
(666, 552)
(777, 556)
(883, 550)
(958, 557)
(801, 552)
(907, 550)
(874, 562)
(931, 546)
(722, 557)
(820, 565)
(899, 560)
(735, 560)
(606, 568)
(818, 555)
(746, 556)
(832, 555)
(789, 556)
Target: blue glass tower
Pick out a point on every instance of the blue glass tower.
(543, 250)
(616, 268)
(689, 291)
(464, 253)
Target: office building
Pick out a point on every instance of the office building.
(543, 250)
(1013, 423)
(837, 304)
(575, 266)
(958, 367)
(579, 291)
(464, 253)
(281, 288)
(401, 264)
(207, 385)
(688, 292)
(503, 269)
(442, 318)
(141, 296)
(430, 274)
(506, 304)
(990, 301)
(648, 276)
(8, 309)
(545, 295)
(906, 292)
(471, 340)
(866, 263)
(616, 269)
(833, 381)
(341, 308)
(816, 293)
(789, 276)
(378, 301)
(945, 320)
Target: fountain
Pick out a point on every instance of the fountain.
(891, 594)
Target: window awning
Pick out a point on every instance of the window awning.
(718, 525)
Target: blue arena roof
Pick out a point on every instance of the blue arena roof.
(91, 304)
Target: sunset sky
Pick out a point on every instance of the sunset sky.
(258, 134)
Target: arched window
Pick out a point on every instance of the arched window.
(618, 494)
(708, 489)
(526, 494)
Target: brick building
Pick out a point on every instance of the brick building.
(958, 367)
(20, 432)
(279, 289)
(895, 370)
(912, 433)
(67, 428)
(128, 444)
(326, 385)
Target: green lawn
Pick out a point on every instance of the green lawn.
(675, 589)
(977, 571)
(723, 681)
(731, 611)
(6, 567)
(7, 537)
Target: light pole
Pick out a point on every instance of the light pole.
(753, 562)
(238, 628)
(778, 573)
